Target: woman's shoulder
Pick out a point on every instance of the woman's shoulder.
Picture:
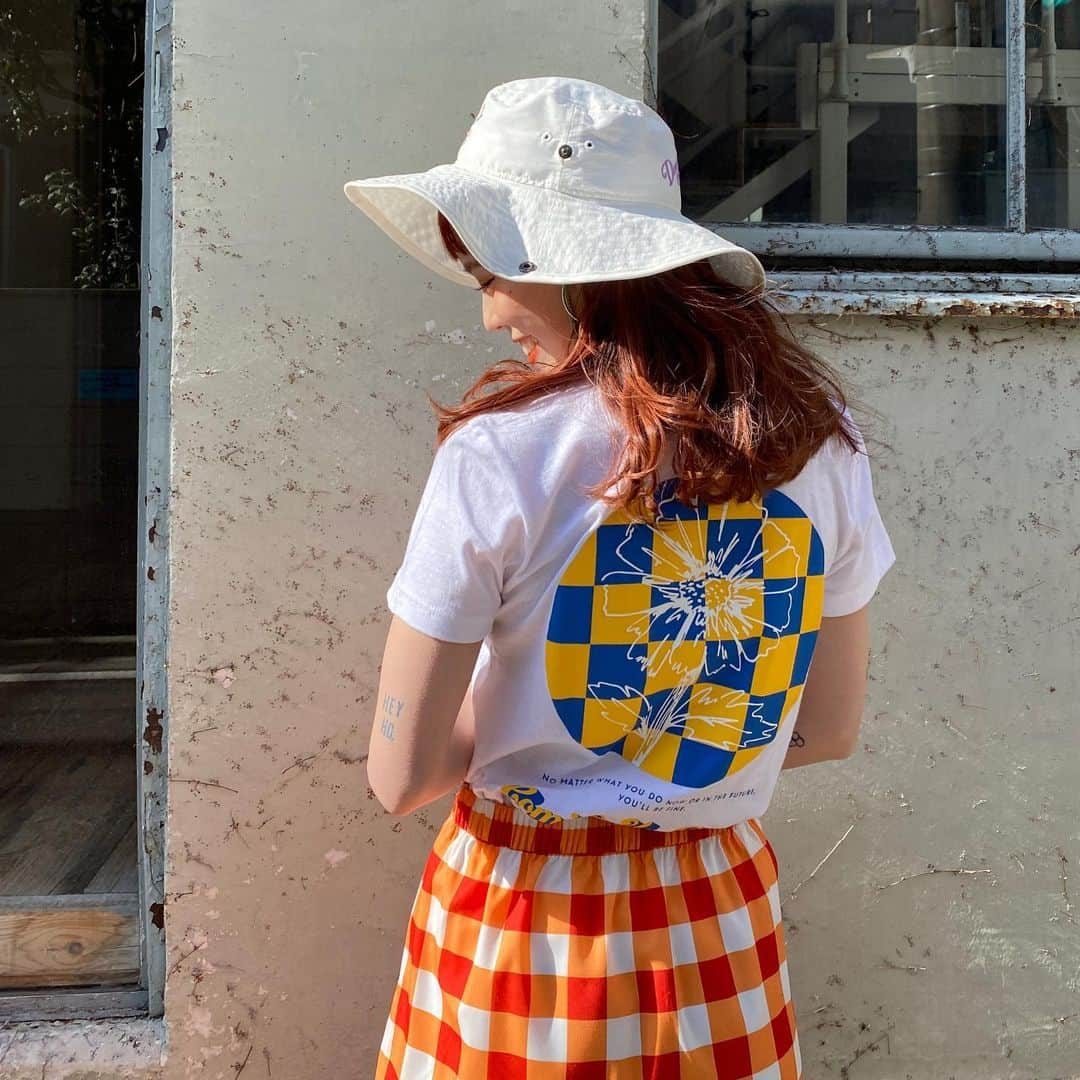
(566, 413)
(840, 450)
(835, 479)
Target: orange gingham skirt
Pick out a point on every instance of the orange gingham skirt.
(585, 950)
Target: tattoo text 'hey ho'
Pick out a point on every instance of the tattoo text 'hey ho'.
(391, 711)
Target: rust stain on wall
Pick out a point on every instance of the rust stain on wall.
(153, 731)
(1024, 306)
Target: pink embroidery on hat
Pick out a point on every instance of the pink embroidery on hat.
(670, 171)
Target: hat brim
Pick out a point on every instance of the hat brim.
(566, 239)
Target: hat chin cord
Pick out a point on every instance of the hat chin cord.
(569, 311)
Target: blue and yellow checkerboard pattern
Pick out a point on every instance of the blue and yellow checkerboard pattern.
(681, 644)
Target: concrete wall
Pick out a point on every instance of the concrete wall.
(304, 341)
(967, 766)
(304, 344)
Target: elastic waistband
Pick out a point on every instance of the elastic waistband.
(507, 826)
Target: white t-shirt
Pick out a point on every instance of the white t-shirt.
(649, 674)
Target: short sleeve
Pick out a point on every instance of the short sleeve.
(450, 582)
(864, 552)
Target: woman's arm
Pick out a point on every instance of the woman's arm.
(422, 737)
(827, 727)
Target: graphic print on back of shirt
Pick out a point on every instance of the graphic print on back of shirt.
(682, 644)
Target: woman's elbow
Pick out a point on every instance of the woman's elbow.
(847, 744)
(394, 798)
(846, 750)
(390, 776)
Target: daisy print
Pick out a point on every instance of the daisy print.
(707, 714)
(681, 643)
(701, 591)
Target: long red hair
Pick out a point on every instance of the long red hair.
(688, 358)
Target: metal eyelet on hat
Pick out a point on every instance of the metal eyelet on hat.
(565, 151)
(526, 268)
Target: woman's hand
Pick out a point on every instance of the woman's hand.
(827, 727)
(422, 737)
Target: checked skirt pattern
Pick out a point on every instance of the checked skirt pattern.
(585, 950)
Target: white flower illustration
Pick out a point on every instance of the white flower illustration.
(713, 715)
(698, 598)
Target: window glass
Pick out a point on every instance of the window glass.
(70, 143)
(1053, 138)
(894, 117)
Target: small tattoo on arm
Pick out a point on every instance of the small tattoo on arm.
(391, 711)
(797, 739)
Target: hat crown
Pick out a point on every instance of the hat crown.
(577, 138)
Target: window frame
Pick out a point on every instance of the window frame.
(155, 438)
(875, 290)
(150, 724)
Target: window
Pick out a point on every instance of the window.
(80, 766)
(937, 134)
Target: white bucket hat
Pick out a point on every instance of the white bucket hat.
(559, 181)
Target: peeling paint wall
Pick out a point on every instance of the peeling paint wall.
(938, 939)
(304, 342)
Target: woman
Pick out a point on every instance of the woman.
(631, 543)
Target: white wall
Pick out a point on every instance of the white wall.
(968, 760)
(304, 345)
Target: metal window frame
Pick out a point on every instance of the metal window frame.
(155, 434)
(872, 289)
(151, 721)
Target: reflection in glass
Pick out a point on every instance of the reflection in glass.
(792, 112)
(1053, 138)
(70, 144)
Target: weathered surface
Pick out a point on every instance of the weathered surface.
(83, 1050)
(304, 346)
(940, 939)
(304, 342)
